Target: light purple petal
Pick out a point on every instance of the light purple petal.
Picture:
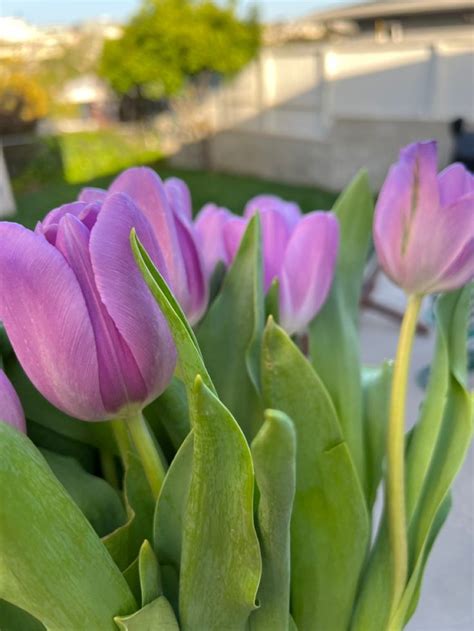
(179, 197)
(308, 269)
(209, 226)
(120, 380)
(125, 294)
(92, 194)
(289, 210)
(147, 192)
(47, 322)
(275, 237)
(233, 232)
(11, 411)
(86, 212)
(454, 182)
(195, 302)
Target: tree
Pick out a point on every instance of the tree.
(171, 41)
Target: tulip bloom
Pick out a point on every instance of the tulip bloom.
(11, 411)
(299, 251)
(209, 226)
(168, 210)
(424, 223)
(78, 313)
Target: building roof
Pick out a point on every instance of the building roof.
(387, 8)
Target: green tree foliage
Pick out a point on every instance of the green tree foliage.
(170, 41)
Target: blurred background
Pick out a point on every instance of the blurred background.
(290, 97)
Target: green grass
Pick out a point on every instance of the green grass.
(55, 169)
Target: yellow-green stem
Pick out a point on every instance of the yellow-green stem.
(121, 438)
(395, 489)
(147, 451)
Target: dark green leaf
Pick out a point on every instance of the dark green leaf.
(53, 564)
(330, 525)
(274, 454)
(15, 619)
(170, 412)
(156, 616)
(149, 571)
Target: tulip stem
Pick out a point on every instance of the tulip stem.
(121, 438)
(395, 485)
(146, 448)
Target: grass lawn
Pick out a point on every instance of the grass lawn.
(61, 166)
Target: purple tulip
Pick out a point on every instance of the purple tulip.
(300, 251)
(424, 223)
(209, 227)
(168, 211)
(77, 311)
(11, 411)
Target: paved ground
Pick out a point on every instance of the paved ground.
(447, 598)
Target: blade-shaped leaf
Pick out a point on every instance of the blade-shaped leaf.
(156, 616)
(330, 525)
(230, 334)
(98, 501)
(15, 619)
(53, 564)
(170, 411)
(220, 562)
(149, 572)
(274, 454)
(334, 340)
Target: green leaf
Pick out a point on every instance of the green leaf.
(156, 616)
(149, 571)
(53, 564)
(98, 501)
(169, 517)
(230, 334)
(334, 339)
(274, 454)
(272, 301)
(189, 354)
(220, 564)
(170, 412)
(124, 543)
(330, 525)
(39, 410)
(376, 384)
(432, 465)
(15, 619)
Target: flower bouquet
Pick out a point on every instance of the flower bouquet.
(203, 447)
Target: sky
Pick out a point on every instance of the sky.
(44, 12)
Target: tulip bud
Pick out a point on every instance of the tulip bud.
(424, 223)
(78, 313)
(299, 251)
(11, 411)
(168, 210)
(209, 227)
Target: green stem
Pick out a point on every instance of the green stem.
(121, 438)
(149, 456)
(395, 488)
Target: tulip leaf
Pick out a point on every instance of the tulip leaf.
(156, 616)
(124, 543)
(330, 524)
(220, 560)
(168, 522)
(98, 501)
(132, 576)
(15, 619)
(170, 413)
(274, 453)
(376, 384)
(149, 572)
(230, 334)
(39, 410)
(334, 340)
(437, 461)
(53, 564)
(190, 357)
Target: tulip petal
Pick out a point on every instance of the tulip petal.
(209, 226)
(92, 194)
(289, 210)
(11, 411)
(454, 182)
(146, 189)
(275, 236)
(308, 269)
(195, 303)
(125, 294)
(47, 322)
(233, 232)
(179, 197)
